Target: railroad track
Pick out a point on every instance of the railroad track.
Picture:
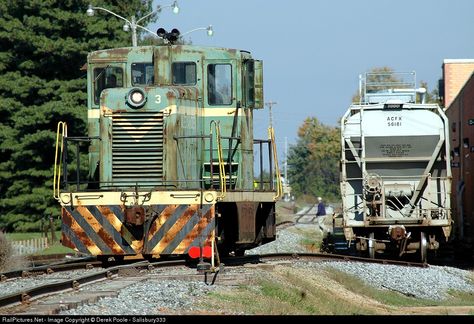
(306, 217)
(314, 257)
(49, 269)
(26, 296)
(285, 224)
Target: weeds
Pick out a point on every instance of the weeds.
(6, 252)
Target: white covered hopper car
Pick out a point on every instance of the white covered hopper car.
(395, 169)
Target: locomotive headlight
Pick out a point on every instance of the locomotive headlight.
(136, 98)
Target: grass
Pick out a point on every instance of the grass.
(284, 211)
(294, 291)
(53, 248)
(384, 296)
(393, 298)
(32, 235)
(56, 248)
(459, 298)
(282, 293)
(312, 237)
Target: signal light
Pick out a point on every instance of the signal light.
(207, 252)
(171, 37)
(194, 252)
(161, 32)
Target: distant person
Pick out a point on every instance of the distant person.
(321, 208)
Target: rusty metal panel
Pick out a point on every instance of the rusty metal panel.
(96, 230)
(270, 226)
(247, 175)
(258, 84)
(162, 57)
(135, 215)
(105, 230)
(178, 227)
(246, 213)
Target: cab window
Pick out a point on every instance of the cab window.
(142, 73)
(108, 77)
(219, 84)
(184, 73)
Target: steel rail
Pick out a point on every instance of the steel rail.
(48, 269)
(25, 296)
(261, 258)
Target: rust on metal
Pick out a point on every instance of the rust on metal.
(70, 222)
(117, 224)
(160, 220)
(175, 229)
(94, 241)
(195, 232)
(397, 233)
(25, 298)
(117, 230)
(112, 55)
(135, 215)
(170, 95)
(246, 213)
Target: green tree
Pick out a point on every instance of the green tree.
(314, 160)
(430, 96)
(386, 74)
(378, 75)
(43, 45)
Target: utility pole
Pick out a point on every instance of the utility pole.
(270, 105)
(286, 160)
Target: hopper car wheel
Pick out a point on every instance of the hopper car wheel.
(371, 246)
(423, 247)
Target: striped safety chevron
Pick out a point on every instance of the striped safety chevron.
(168, 229)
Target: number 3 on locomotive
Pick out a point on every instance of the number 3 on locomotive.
(158, 99)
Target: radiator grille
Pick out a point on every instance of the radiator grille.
(137, 148)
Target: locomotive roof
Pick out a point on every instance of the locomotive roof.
(123, 53)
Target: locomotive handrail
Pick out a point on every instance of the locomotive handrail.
(60, 132)
(260, 142)
(222, 177)
(221, 163)
(279, 188)
(60, 160)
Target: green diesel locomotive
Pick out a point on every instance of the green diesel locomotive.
(174, 167)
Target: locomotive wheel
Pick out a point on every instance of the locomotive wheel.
(371, 245)
(423, 247)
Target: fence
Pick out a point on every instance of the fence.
(29, 246)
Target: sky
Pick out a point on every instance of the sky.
(314, 50)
